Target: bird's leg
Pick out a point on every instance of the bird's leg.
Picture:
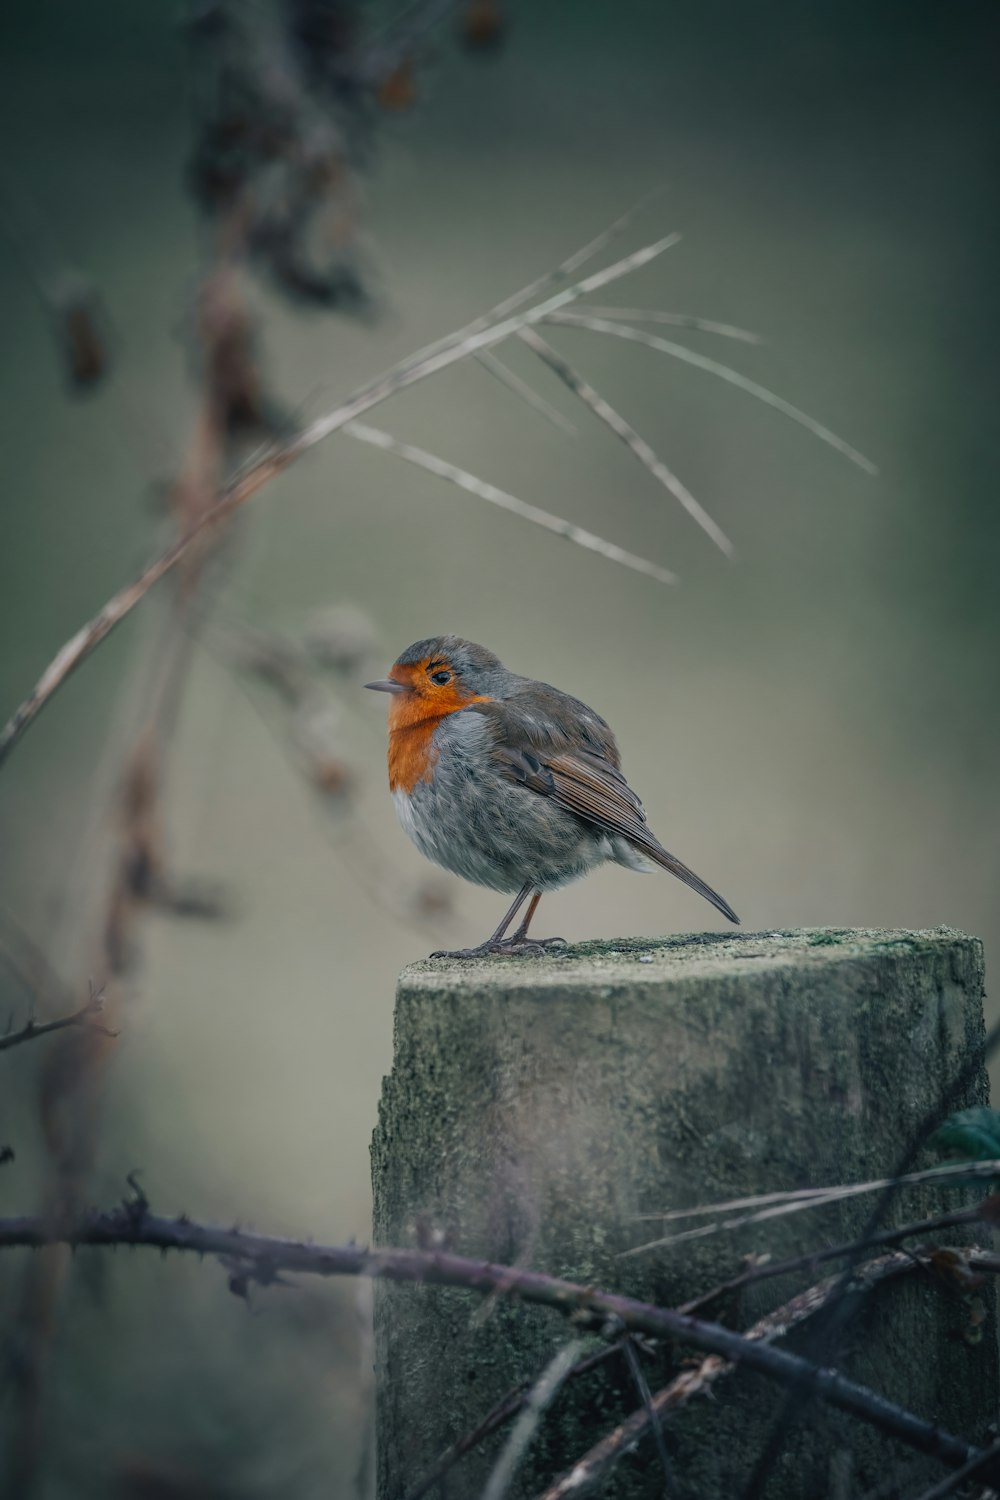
(495, 943)
(518, 942)
(520, 938)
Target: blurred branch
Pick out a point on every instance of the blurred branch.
(474, 339)
(712, 366)
(521, 388)
(261, 1258)
(275, 459)
(628, 435)
(676, 320)
(544, 283)
(85, 1016)
(288, 669)
(495, 496)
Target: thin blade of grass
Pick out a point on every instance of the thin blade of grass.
(712, 367)
(950, 1172)
(513, 382)
(572, 263)
(676, 320)
(540, 285)
(540, 1398)
(460, 346)
(652, 1416)
(624, 430)
(969, 1170)
(489, 492)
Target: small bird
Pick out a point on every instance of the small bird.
(510, 783)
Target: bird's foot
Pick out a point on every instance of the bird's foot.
(521, 944)
(512, 946)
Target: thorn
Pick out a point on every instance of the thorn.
(138, 1205)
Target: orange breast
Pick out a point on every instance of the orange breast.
(413, 719)
(410, 756)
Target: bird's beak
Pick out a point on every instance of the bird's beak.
(387, 685)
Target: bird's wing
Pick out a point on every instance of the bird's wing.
(560, 748)
(544, 742)
(584, 784)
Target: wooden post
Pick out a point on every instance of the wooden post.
(538, 1106)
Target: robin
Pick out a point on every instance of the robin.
(510, 783)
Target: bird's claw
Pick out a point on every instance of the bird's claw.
(532, 945)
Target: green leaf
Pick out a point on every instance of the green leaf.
(970, 1134)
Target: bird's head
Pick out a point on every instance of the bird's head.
(438, 676)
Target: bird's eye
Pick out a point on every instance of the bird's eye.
(440, 678)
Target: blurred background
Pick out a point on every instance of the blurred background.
(812, 726)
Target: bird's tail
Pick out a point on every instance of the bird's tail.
(668, 862)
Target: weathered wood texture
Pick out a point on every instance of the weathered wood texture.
(537, 1106)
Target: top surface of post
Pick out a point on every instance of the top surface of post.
(684, 956)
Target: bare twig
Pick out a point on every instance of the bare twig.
(548, 280)
(85, 1016)
(536, 1403)
(263, 1256)
(676, 320)
(274, 460)
(854, 1248)
(628, 435)
(702, 362)
(527, 393)
(485, 491)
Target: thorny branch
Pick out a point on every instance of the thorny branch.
(262, 1258)
(627, 433)
(594, 1466)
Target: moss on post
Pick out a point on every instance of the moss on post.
(538, 1107)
